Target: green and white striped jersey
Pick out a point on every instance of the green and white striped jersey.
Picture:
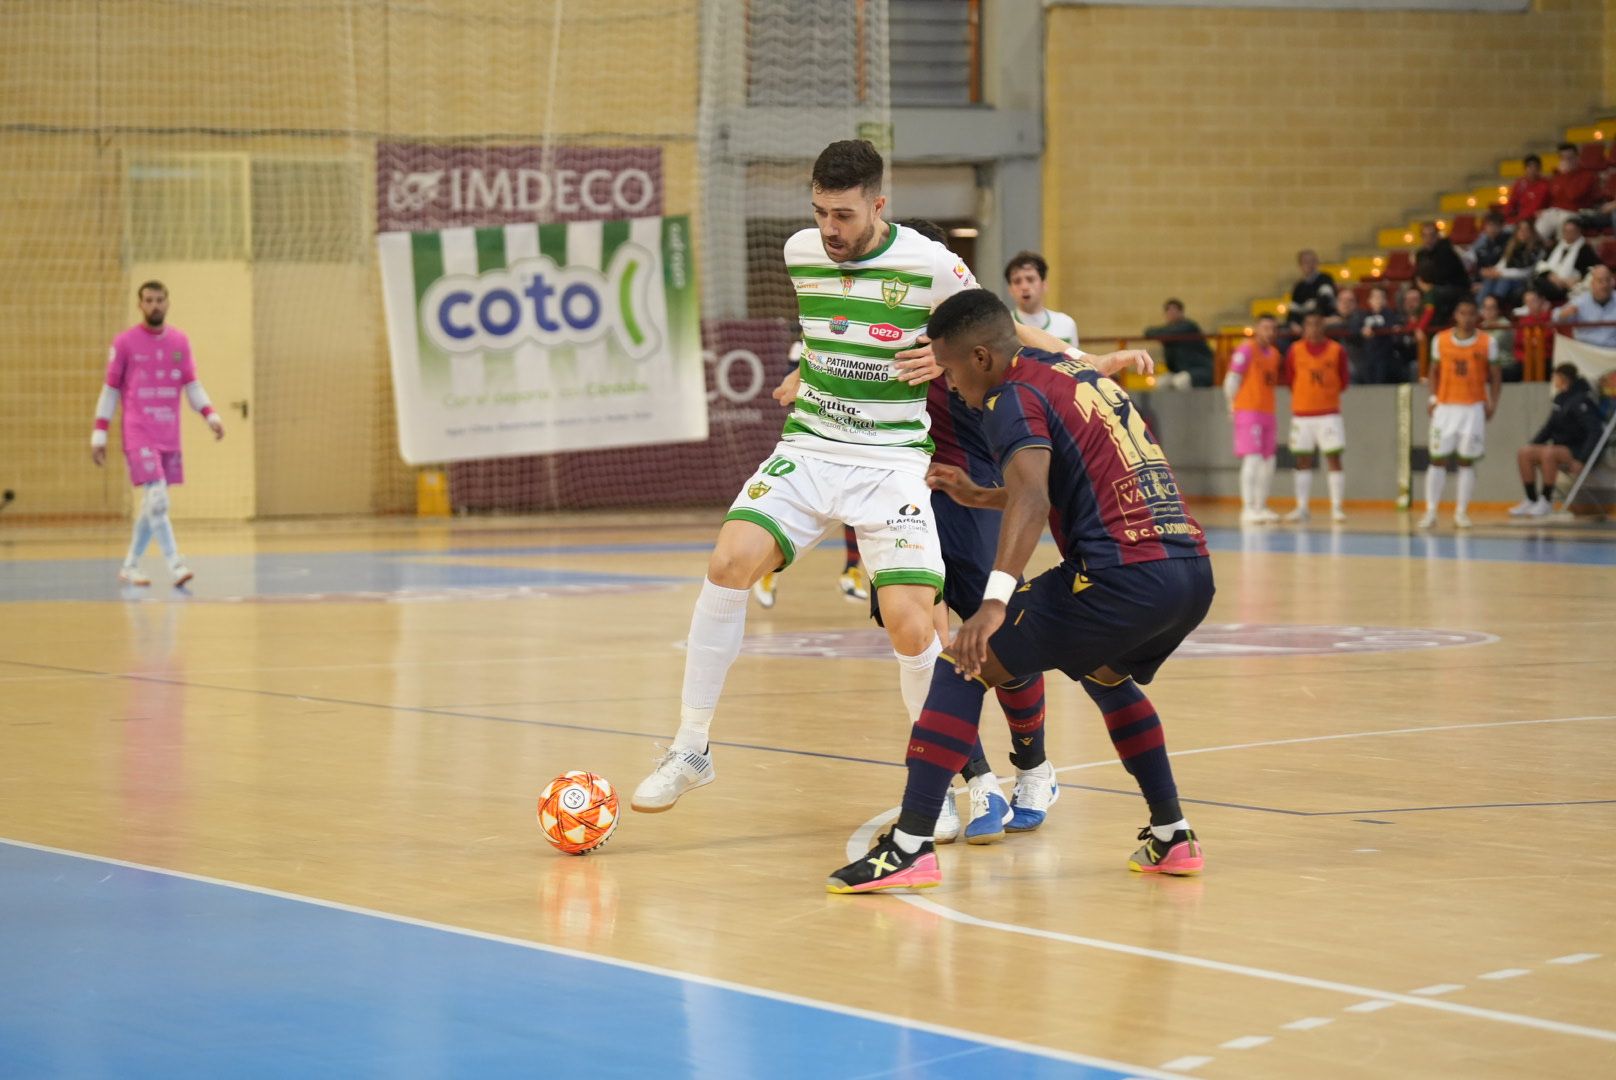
(856, 316)
(1058, 323)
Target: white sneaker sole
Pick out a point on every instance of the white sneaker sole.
(648, 807)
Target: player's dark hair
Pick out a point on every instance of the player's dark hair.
(929, 229)
(1023, 259)
(1466, 300)
(1563, 147)
(850, 163)
(1568, 372)
(1532, 159)
(157, 286)
(1173, 301)
(974, 315)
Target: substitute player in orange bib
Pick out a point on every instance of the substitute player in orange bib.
(1315, 369)
(1465, 381)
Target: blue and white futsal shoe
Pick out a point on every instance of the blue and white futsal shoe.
(989, 812)
(1035, 792)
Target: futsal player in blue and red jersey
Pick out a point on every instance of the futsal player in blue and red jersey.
(1133, 581)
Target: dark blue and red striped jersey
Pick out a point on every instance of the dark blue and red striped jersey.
(956, 431)
(1113, 498)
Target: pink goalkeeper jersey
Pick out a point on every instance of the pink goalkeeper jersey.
(150, 372)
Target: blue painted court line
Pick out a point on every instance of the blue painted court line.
(113, 969)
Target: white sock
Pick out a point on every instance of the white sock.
(1435, 477)
(1467, 488)
(908, 843)
(1165, 833)
(716, 629)
(141, 538)
(1337, 479)
(1265, 482)
(1250, 469)
(1304, 487)
(986, 780)
(914, 676)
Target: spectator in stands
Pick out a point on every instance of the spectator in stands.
(1377, 327)
(1346, 326)
(1571, 189)
(1413, 343)
(1189, 357)
(1489, 246)
(1562, 270)
(1565, 442)
(1600, 217)
(1509, 276)
(1529, 193)
(1595, 305)
(1314, 291)
(1440, 272)
(1534, 327)
(1496, 323)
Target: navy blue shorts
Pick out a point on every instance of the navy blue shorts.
(970, 539)
(1127, 618)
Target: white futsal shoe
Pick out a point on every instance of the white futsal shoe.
(677, 772)
(130, 575)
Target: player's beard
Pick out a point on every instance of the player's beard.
(155, 319)
(856, 248)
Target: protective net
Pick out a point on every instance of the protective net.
(248, 154)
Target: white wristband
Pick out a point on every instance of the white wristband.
(1000, 587)
(98, 439)
(1076, 354)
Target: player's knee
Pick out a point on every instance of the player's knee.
(743, 554)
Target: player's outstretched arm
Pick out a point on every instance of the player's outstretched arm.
(1026, 512)
(1107, 364)
(957, 484)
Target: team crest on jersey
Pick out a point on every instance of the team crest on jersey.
(847, 284)
(176, 356)
(757, 490)
(838, 325)
(893, 291)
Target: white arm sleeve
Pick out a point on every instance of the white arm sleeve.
(197, 396)
(1231, 385)
(105, 406)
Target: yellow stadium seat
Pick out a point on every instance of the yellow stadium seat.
(1398, 238)
(1457, 202)
(1599, 131)
(1272, 305)
(1362, 266)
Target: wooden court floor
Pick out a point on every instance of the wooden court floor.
(1400, 754)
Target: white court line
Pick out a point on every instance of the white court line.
(1246, 1042)
(630, 965)
(1575, 958)
(1369, 1006)
(1185, 1064)
(1350, 735)
(1307, 1023)
(1438, 989)
(1505, 973)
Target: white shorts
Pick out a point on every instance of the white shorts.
(798, 497)
(1459, 429)
(1326, 434)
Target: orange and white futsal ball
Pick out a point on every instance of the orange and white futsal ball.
(577, 812)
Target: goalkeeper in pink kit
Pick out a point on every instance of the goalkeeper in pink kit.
(150, 366)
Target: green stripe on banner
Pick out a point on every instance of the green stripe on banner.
(833, 347)
(553, 242)
(797, 427)
(880, 425)
(613, 235)
(426, 253)
(861, 389)
(490, 250)
(905, 317)
(921, 280)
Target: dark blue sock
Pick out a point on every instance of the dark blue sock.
(939, 745)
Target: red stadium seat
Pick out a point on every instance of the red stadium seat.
(1399, 266)
(1593, 155)
(1607, 251)
(1608, 185)
(1463, 232)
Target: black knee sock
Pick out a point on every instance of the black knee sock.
(1531, 490)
